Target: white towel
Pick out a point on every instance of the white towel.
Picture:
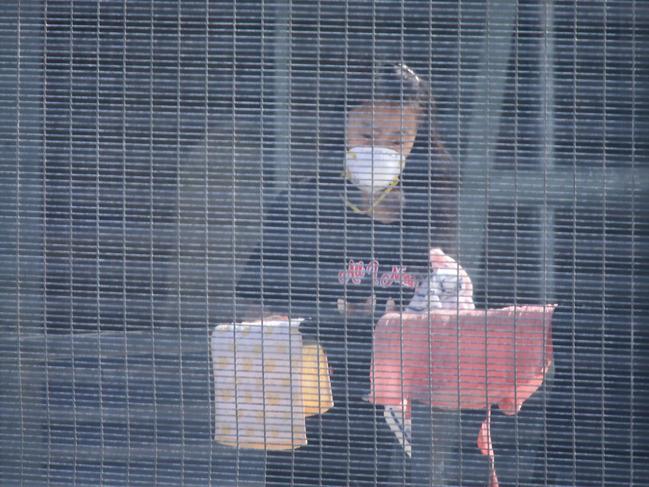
(258, 390)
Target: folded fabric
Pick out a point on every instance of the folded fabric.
(266, 381)
(466, 359)
(316, 383)
(400, 423)
(258, 386)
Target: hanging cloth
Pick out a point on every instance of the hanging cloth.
(266, 382)
(466, 359)
(316, 382)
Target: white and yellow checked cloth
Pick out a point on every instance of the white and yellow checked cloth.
(266, 382)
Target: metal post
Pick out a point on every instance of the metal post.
(474, 193)
(21, 195)
(482, 134)
(547, 133)
(281, 95)
(21, 232)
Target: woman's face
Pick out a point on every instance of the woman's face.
(384, 124)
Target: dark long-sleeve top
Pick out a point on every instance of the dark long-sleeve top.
(317, 255)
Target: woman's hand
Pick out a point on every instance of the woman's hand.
(455, 289)
(448, 286)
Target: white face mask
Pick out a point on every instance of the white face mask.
(373, 168)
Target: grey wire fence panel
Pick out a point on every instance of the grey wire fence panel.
(93, 404)
(144, 142)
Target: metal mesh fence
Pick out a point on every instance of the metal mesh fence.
(170, 166)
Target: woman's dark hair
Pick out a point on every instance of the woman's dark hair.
(398, 83)
(430, 168)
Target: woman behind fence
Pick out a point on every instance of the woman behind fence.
(336, 250)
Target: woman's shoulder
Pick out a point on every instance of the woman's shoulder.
(309, 199)
(320, 189)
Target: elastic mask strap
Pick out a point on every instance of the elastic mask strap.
(347, 175)
(393, 184)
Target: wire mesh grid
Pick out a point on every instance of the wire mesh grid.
(172, 166)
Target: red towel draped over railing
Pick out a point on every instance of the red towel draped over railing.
(467, 359)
